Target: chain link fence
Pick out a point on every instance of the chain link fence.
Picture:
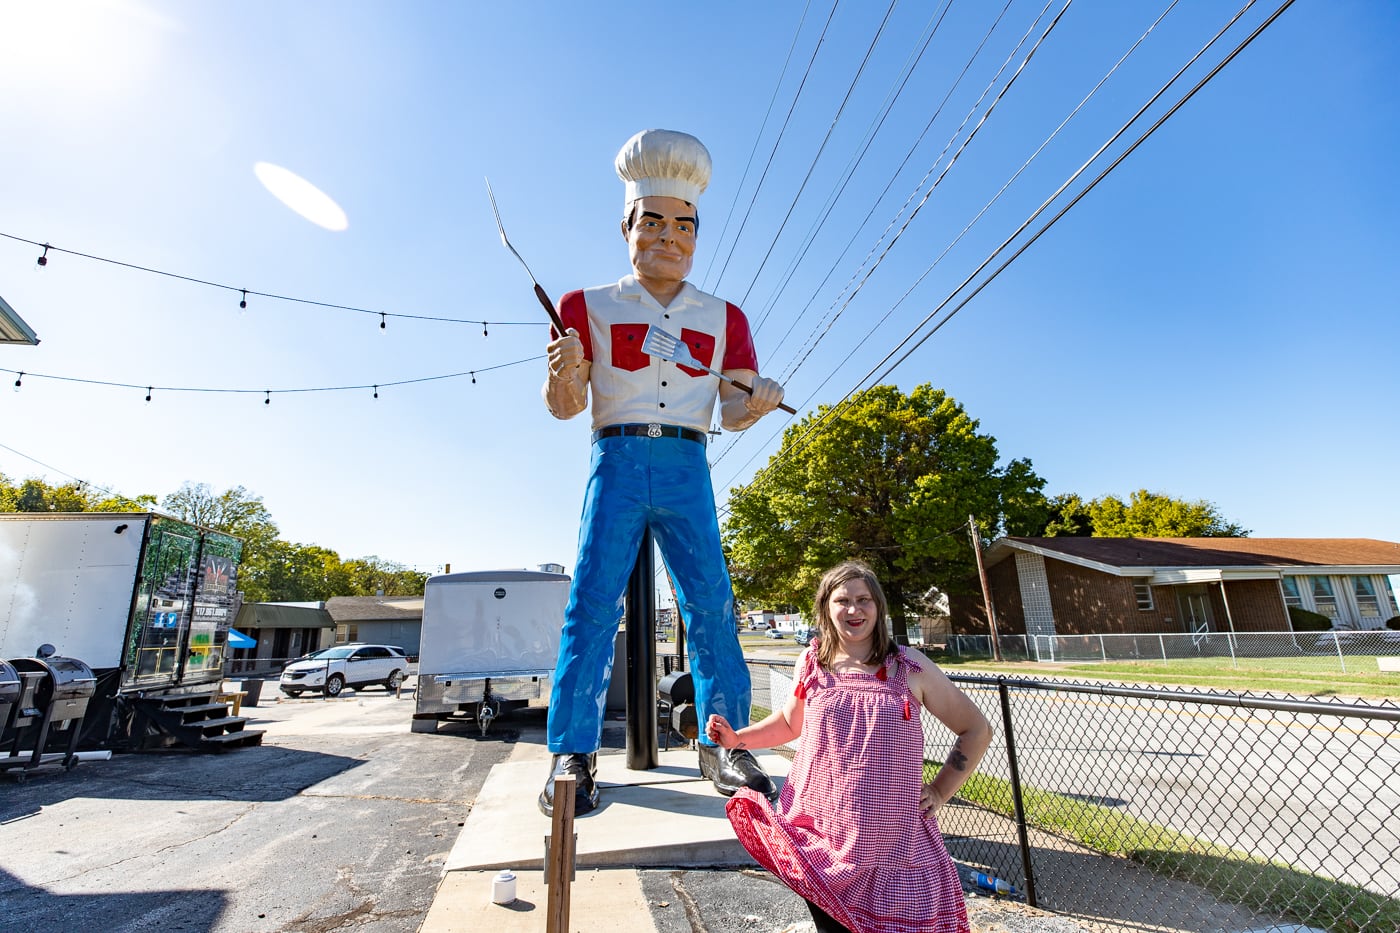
(1347, 651)
(1141, 808)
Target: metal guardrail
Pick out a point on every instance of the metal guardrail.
(1125, 806)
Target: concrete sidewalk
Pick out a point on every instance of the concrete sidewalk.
(657, 856)
(668, 816)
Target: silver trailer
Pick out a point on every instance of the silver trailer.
(489, 643)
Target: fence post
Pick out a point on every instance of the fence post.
(1103, 655)
(1021, 832)
(1337, 643)
(1230, 642)
(1161, 643)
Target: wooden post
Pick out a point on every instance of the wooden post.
(986, 591)
(559, 870)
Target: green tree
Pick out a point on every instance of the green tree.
(890, 479)
(1153, 515)
(1069, 517)
(286, 572)
(372, 576)
(239, 513)
(34, 495)
(271, 569)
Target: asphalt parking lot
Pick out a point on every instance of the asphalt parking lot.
(341, 820)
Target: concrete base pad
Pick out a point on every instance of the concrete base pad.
(665, 816)
(598, 900)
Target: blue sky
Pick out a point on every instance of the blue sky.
(1216, 320)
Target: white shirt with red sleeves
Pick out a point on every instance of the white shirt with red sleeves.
(629, 386)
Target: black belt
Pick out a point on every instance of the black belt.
(649, 430)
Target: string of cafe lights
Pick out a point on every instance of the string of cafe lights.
(21, 375)
(245, 293)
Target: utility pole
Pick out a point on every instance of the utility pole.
(986, 591)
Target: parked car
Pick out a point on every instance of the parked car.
(804, 637)
(354, 665)
(773, 633)
(310, 655)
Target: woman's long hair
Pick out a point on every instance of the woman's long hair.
(881, 644)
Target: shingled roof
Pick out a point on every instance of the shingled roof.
(1158, 553)
(375, 608)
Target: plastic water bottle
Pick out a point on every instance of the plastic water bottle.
(992, 883)
(503, 888)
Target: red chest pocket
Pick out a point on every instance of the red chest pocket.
(626, 347)
(701, 346)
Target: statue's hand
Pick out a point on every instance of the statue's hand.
(765, 397)
(565, 354)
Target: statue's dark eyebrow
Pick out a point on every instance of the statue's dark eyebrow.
(661, 217)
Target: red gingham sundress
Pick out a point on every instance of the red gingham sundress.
(847, 833)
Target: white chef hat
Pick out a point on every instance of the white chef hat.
(664, 163)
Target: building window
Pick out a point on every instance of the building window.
(1323, 598)
(1367, 604)
(1143, 592)
(1291, 596)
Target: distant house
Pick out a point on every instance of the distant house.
(379, 620)
(282, 631)
(1101, 586)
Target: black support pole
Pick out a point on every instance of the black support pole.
(642, 754)
(1027, 866)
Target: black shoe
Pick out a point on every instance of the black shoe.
(733, 768)
(582, 767)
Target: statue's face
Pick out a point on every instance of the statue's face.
(661, 242)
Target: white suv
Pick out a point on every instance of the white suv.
(334, 669)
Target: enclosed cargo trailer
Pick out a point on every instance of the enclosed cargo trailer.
(490, 641)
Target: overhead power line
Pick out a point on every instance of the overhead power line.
(797, 95)
(759, 135)
(819, 423)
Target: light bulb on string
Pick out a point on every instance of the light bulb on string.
(43, 260)
(19, 380)
(148, 393)
(243, 302)
(381, 320)
(267, 396)
(473, 378)
(483, 329)
(376, 391)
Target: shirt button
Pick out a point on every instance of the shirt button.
(663, 405)
(663, 383)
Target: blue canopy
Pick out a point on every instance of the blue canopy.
(237, 639)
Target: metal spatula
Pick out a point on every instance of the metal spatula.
(660, 344)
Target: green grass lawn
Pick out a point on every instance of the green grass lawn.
(1301, 676)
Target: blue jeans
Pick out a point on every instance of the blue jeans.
(635, 483)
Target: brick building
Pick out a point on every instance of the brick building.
(1102, 586)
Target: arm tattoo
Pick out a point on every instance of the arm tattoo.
(956, 758)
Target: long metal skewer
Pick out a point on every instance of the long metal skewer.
(539, 292)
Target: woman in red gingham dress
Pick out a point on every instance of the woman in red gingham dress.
(854, 831)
